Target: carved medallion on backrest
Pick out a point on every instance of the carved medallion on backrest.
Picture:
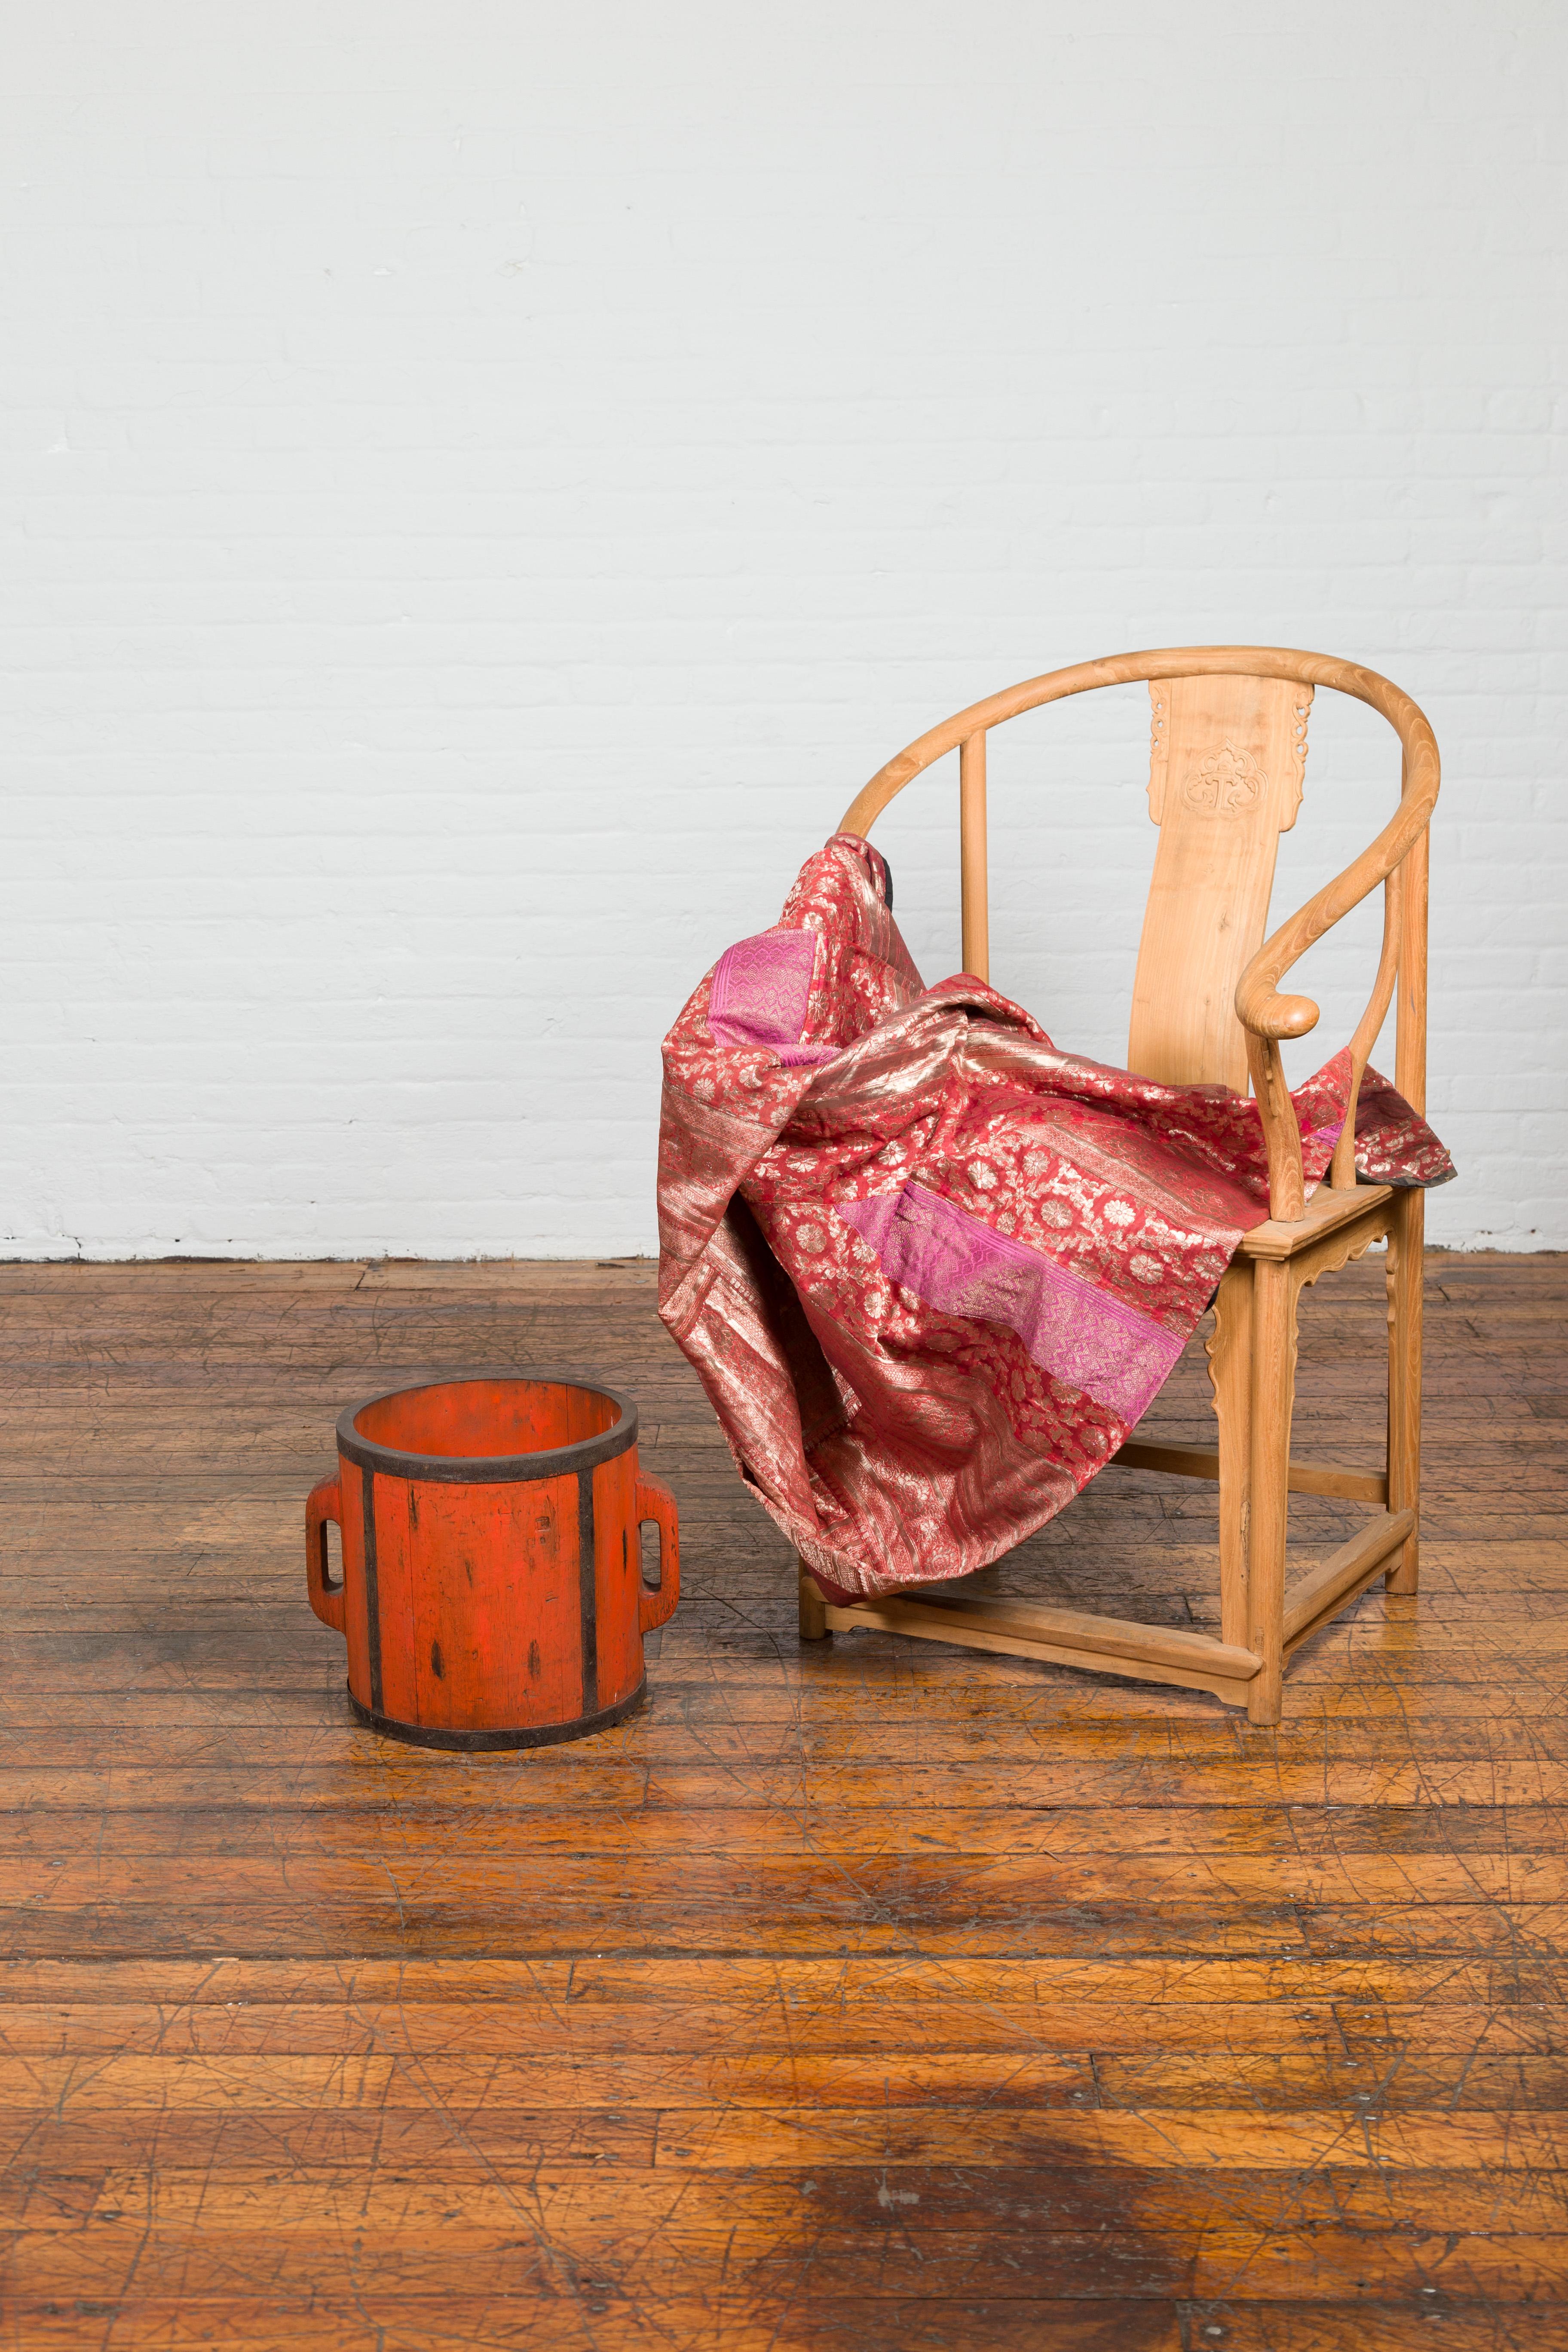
(1227, 760)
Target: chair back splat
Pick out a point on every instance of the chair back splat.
(1225, 764)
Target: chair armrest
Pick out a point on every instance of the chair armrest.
(1267, 1015)
(1260, 1008)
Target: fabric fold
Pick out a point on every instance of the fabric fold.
(929, 1269)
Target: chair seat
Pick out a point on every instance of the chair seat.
(1326, 1210)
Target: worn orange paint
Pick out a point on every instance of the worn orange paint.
(473, 1613)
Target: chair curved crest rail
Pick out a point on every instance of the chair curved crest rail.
(1228, 737)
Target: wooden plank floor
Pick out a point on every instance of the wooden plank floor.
(868, 1996)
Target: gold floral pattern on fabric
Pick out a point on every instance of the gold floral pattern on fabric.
(929, 1267)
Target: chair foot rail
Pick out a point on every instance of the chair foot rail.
(1034, 1628)
(1202, 1462)
(1342, 1575)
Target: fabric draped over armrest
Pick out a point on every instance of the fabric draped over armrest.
(929, 1269)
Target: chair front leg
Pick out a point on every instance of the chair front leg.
(1273, 1396)
(1403, 1271)
(1230, 1371)
(813, 1611)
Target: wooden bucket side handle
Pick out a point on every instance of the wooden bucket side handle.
(655, 1502)
(323, 1503)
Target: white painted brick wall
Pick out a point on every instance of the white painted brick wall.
(484, 486)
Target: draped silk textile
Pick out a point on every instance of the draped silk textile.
(930, 1269)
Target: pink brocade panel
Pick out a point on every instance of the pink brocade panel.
(761, 987)
(1081, 1335)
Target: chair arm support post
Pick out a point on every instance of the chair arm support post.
(973, 890)
(1341, 1171)
(1281, 1131)
(1410, 1048)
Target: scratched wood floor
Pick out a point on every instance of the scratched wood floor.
(872, 1996)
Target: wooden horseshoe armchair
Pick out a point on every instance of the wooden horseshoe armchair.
(1228, 755)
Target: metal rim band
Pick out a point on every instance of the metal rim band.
(491, 1469)
(539, 1735)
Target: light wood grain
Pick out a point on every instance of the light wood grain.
(1341, 1173)
(1319, 1594)
(1404, 1314)
(973, 886)
(1281, 1131)
(1410, 1035)
(1230, 1353)
(1226, 771)
(1273, 1384)
(1058, 1637)
(1325, 1212)
(1169, 662)
(1305, 1477)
